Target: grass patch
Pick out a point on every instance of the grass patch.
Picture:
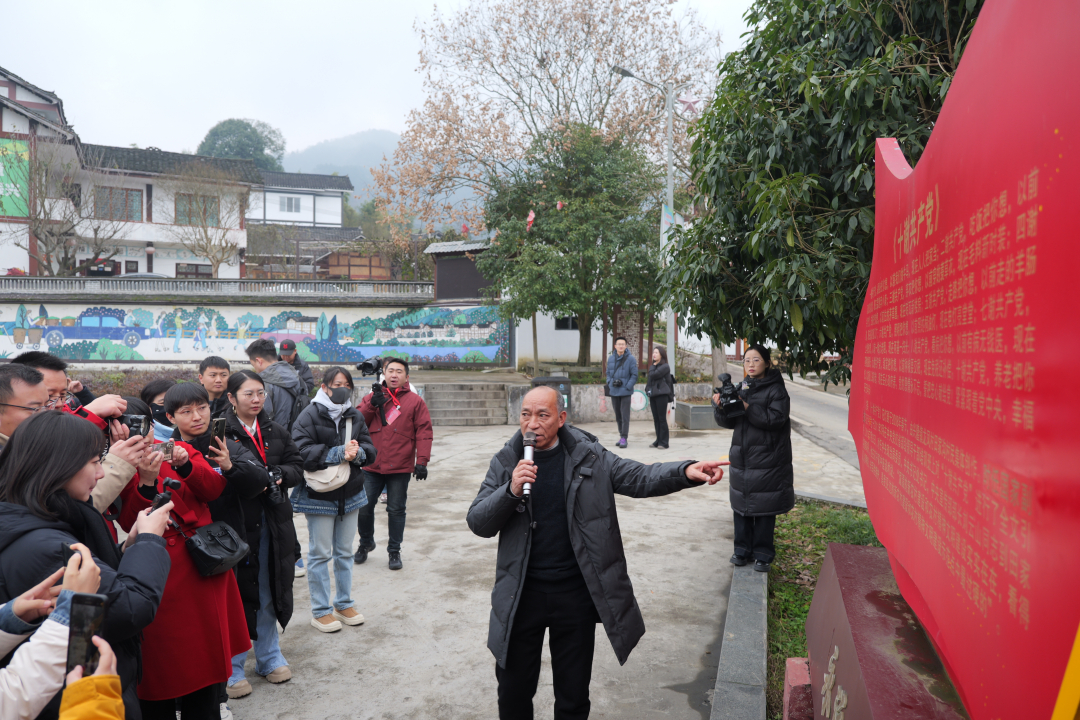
(801, 538)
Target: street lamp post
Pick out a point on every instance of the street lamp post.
(669, 90)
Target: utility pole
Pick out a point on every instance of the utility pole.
(669, 90)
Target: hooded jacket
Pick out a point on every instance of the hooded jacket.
(406, 441)
(31, 550)
(317, 436)
(592, 478)
(283, 386)
(303, 371)
(762, 477)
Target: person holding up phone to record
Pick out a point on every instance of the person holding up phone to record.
(45, 508)
(200, 623)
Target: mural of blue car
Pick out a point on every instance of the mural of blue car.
(96, 327)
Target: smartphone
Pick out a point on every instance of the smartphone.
(87, 615)
(168, 450)
(218, 428)
(68, 552)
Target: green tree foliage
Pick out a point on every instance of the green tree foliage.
(601, 247)
(783, 164)
(245, 140)
(350, 216)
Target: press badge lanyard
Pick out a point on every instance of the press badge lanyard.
(257, 437)
(395, 412)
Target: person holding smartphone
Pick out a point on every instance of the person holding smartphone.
(45, 508)
(200, 623)
(266, 452)
(36, 671)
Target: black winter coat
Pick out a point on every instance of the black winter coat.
(660, 382)
(592, 477)
(281, 453)
(31, 550)
(762, 478)
(315, 435)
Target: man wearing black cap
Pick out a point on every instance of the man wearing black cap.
(287, 352)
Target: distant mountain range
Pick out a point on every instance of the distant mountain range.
(353, 155)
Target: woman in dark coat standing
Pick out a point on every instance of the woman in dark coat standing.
(265, 577)
(320, 435)
(661, 389)
(762, 477)
(45, 506)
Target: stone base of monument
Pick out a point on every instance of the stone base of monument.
(869, 656)
(798, 703)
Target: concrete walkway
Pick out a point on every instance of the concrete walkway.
(422, 652)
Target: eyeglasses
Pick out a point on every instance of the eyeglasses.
(253, 393)
(59, 400)
(189, 411)
(32, 410)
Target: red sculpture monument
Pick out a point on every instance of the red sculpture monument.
(965, 405)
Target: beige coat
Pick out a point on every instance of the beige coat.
(36, 672)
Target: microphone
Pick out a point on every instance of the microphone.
(529, 439)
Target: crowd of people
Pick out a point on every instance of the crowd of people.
(184, 523)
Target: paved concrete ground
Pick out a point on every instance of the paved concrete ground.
(422, 652)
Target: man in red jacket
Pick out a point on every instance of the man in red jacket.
(400, 426)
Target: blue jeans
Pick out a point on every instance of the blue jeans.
(268, 657)
(330, 536)
(397, 489)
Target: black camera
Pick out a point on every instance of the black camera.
(729, 404)
(273, 490)
(139, 424)
(371, 366)
(616, 383)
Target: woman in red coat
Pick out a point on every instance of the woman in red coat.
(200, 624)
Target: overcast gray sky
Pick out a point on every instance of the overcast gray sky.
(162, 74)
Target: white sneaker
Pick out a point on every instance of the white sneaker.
(382, 498)
(226, 713)
(326, 624)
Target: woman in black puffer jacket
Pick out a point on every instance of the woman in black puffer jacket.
(267, 572)
(320, 435)
(762, 477)
(661, 391)
(45, 506)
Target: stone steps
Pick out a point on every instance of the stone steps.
(465, 404)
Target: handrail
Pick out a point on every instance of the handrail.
(119, 285)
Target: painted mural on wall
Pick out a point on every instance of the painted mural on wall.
(177, 333)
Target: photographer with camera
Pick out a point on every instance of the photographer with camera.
(762, 477)
(401, 430)
(265, 577)
(622, 373)
(200, 624)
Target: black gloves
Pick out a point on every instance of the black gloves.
(378, 397)
(420, 471)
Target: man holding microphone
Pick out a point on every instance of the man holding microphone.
(561, 565)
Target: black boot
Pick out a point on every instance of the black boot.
(361, 554)
(395, 561)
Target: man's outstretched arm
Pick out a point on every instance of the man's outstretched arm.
(634, 479)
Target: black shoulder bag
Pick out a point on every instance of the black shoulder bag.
(214, 548)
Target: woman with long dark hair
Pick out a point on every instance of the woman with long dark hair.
(319, 433)
(762, 476)
(265, 577)
(661, 390)
(47, 472)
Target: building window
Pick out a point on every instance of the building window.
(131, 266)
(105, 268)
(566, 323)
(290, 204)
(197, 210)
(191, 270)
(118, 204)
